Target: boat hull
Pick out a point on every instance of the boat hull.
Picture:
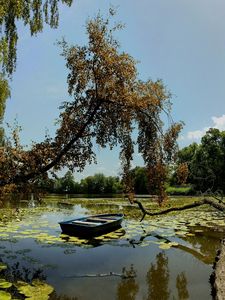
(83, 227)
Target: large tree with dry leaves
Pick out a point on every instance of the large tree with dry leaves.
(108, 104)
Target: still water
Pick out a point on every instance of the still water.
(163, 258)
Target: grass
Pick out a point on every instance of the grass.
(185, 191)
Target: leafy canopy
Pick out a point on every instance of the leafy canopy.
(32, 13)
(4, 94)
(108, 103)
(206, 164)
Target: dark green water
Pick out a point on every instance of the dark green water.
(168, 258)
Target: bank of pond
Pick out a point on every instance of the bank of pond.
(166, 257)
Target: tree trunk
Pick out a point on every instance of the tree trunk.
(218, 277)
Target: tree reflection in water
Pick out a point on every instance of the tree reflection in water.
(128, 287)
(181, 285)
(158, 279)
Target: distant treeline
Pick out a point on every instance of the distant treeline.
(96, 184)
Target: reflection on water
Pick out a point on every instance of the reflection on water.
(164, 258)
(158, 278)
(181, 284)
(128, 288)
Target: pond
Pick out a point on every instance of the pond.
(169, 257)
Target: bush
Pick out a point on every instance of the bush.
(180, 190)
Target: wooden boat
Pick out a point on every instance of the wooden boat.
(92, 225)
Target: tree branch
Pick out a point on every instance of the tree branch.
(24, 178)
(218, 205)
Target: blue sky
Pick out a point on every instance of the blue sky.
(180, 41)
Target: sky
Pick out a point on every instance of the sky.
(181, 42)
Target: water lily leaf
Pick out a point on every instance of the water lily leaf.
(144, 244)
(173, 244)
(38, 290)
(181, 232)
(100, 238)
(2, 266)
(62, 235)
(165, 246)
(106, 240)
(190, 234)
(5, 284)
(5, 296)
(111, 236)
(4, 235)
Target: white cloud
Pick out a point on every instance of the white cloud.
(197, 134)
(218, 122)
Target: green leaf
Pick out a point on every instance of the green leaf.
(2, 266)
(38, 290)
(165, 246)
(5, 296)
(5, 284)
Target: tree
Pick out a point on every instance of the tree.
(140, 180)
(4, 94)
(68, 182)
(109, 103)
(206, 163)
(113, 185)
(32, 13)
(184, 161)
(100, 184)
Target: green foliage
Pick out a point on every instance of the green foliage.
(206, 162)
(180, 191)
(5, 284)
(4, 94)
(38, 290)
(140, 180)
(32, 13)
(100, 184)
(96, 184)
(5, 295)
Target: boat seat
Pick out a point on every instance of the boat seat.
(100, 219)
(85, 223)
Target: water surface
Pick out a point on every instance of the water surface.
(169, 257)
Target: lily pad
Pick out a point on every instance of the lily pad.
(190, 234)
(4, 284)
(165, 246)
(2, 266)
(38, 290)
(5, 296)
